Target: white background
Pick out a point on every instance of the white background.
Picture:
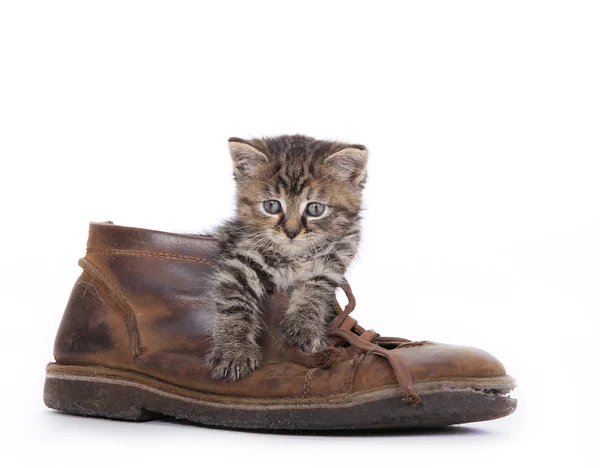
(482, 220)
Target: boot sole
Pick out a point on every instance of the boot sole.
(124, 395)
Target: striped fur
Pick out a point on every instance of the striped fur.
(306, 256)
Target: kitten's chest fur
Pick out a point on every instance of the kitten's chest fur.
(289, 272)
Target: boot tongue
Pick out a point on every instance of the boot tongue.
(273, 342)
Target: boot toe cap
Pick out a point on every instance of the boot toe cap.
(429, 361)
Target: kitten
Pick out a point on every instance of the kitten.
(296, 229)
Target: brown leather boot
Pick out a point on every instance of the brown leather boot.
(134, 336)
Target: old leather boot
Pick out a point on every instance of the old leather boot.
(136, 331)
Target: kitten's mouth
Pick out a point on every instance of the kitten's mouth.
(292, 245)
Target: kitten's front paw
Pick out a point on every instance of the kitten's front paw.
(308, 337)
(234, 364)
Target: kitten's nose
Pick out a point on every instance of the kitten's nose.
(291, 233)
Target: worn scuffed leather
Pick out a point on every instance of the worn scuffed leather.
(143, 304)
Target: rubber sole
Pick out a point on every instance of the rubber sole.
(116, 394)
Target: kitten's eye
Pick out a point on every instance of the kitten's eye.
(315, 209)
(272, 206)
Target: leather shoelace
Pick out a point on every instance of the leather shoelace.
(340, 330)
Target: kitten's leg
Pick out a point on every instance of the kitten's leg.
(238, 293)
(310, 307)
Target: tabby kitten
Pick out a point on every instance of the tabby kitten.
(296, 229)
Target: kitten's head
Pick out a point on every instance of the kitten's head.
(298, 193)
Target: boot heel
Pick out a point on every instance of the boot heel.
(93, 398)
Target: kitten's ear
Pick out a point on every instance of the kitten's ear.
(351, 164)
(246, 158)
